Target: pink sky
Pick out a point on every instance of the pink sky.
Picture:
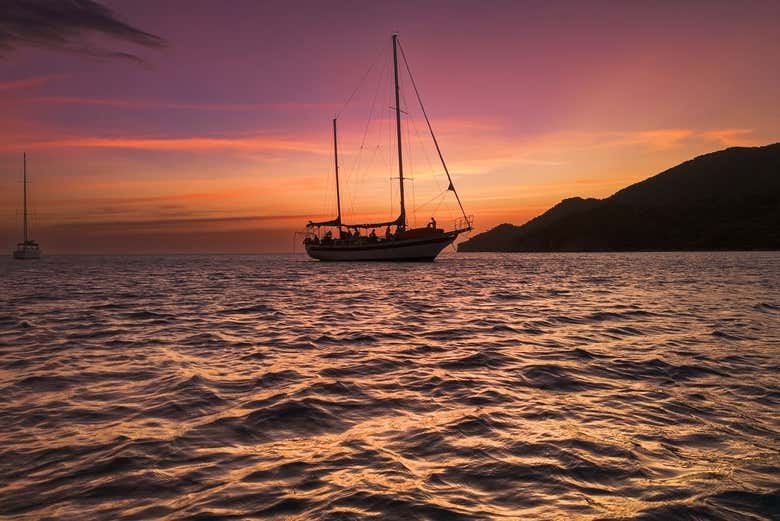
(221, 140)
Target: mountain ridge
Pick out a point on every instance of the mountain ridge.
(723, 200)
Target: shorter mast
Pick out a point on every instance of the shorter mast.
(25, 197)
(336, 162)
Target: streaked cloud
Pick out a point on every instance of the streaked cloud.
(192, 144)
(732, 136)
(172, 105)
(559, 148)
(179, 197)
(67, 25)
(26, 83)
(189, 222)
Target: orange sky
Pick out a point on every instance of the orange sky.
(221, 140)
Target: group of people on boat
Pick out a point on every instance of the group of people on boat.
(345, 235)
(348, 235)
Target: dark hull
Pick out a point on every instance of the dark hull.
(403, 250)
(27, 251)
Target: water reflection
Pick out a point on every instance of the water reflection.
(479, 387)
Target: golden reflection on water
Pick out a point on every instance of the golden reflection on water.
(494, 387)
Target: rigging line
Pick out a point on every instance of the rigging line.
(425, 152)
(414, 205)
(371, 161)
(373, 156)
(359, 174)
(409, 122)
(355, 173)
(390, 139)
(432, 199)
(392, 187)
(382, 130)
(430, 128)
(360, 83)
(358, 160)
(438, 205)
(410, 171)
(325, 194)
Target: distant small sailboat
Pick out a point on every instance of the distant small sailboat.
(28, 249)
(401, 244)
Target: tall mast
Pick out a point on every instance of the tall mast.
(25, 196)
(402, 217)
(336, 161)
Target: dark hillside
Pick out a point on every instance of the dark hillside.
(720, 201)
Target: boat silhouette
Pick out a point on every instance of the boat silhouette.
(353, 242)
(27, 249)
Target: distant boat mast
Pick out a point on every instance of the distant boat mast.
(26, 238)
(27, 249)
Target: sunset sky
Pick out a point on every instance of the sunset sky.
(179, 126)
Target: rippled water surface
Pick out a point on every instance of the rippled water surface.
(557, 386)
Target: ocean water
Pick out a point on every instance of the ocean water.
(482, 386)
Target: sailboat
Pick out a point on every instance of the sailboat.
(28, 249)
(399, 242)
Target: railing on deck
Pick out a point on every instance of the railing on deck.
(464, 224)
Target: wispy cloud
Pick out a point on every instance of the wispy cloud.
(26, 83)
(167, 198)
(657, 139)
(731, 136)
(565, 148)
(574, 152)
(66, 25)
(153, 104)
(455, 125)
(193, 144)
(188, 222)
(580, 140)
